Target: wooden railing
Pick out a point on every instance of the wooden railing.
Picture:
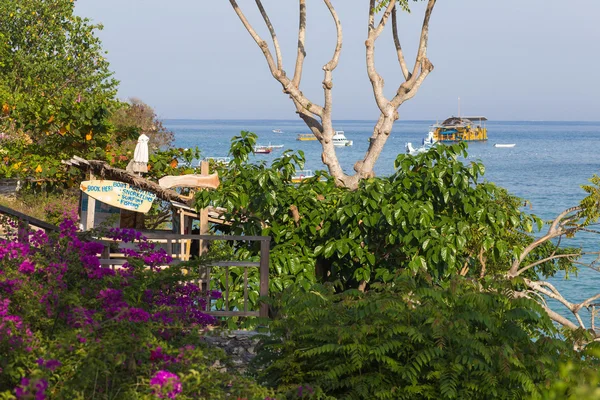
(26, 221)
(175, 246)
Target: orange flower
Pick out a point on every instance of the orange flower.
(88, 136)
(38, 169)
(5, 108)
(51, 119)
(174, 163)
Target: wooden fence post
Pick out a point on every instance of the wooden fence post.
(203, 213)
(264, 276)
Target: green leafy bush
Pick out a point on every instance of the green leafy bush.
(403, 340)
(434, 214)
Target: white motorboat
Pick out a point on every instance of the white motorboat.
(412, 151)
(277, 131)
(427, 143)
(506, 145)
(340, 140)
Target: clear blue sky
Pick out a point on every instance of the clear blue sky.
(507, 60)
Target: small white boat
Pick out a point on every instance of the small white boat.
(275, 146)
(507, 145)
(277, 131)
(412, 151)
(340, 140)
(428, 142)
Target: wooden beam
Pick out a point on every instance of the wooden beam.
(190, 181)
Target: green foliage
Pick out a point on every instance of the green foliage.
(403, 4)
(433, 215)
(56, 90)
(405, 340)
(135, 118)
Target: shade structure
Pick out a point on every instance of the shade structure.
(139, 163)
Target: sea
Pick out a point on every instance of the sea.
(547, 166)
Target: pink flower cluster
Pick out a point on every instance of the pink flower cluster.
(60, 278)
(166, 384)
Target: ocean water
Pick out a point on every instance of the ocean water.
(548, 165)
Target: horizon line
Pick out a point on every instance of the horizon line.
(369, 120)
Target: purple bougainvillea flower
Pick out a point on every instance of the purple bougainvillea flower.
(166, 384)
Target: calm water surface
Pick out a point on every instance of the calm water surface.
(548, 165)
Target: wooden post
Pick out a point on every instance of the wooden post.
(181, 232)
(91, 211)
(203, 213)
(264, 276)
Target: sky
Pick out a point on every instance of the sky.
(507, 60)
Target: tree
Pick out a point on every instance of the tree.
(136, 117)
(579, 219)
(319, 117)
(435, 216)
(56, 89)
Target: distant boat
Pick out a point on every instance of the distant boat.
(427, 144)
(302, 175)
(306, 137)
(275, 146)
(505, 145)
(258, 149)
(339, 139)
(218, 160)
(277, 131)
(458, 129)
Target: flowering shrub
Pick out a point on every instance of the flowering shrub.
(165, 384)
(73, 328)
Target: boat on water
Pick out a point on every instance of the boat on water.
(275, 146)
(302, 175)
(458, 129)
(506, 145)
(426, 144)
(259, 149)
(218, 160)
(306, 137)
(277, 131)
(340, 140)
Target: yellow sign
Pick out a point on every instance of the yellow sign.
(119, 194)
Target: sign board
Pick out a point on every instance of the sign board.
(119, 194)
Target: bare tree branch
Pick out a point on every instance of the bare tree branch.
(319, 118)
(332, 64)
(288, 86)
(374, 77)
(399, 51)
(556, 230)
(301, 47)
(549, 290)
(409, 88)
(554, 257)
(272, 32)
(556, 317)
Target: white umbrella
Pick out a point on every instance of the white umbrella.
(140, 156)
